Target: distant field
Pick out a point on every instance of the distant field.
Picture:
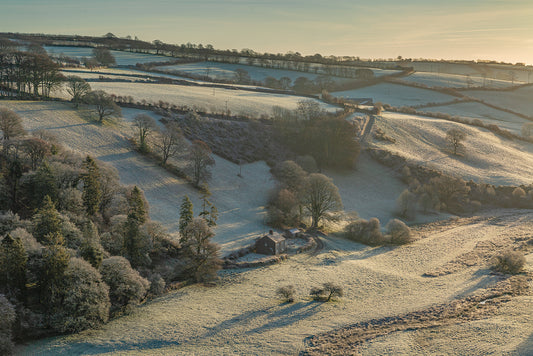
(519, 100)
(238, 101)
(396, 95)
(455, 80)
(123, 58)
(488, 158)
(488, 115)
(226, 71)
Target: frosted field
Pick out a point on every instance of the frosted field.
(488, 157)
(227, 71)
(238, 101)
(123, 58)
(239, 200)
(519, 100)
(488, 115)
(242, 315)
(449, 68)
(454, 80)
(396, 95)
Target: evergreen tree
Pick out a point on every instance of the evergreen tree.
(213, 216)
(12, 266)
(42, 184)
(55, 263)
(90, 248)
(137, 207)
(46, 222)
(92, 193)
(186, 215)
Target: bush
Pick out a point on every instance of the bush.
(366, 232)
(126, 286)
(510, 262)
(399, 233)
(286, 293)
(328, 291)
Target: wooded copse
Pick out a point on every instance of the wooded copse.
(77, 247)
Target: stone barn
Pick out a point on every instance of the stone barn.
(271, 244)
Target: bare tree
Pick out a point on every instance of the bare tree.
(104, 104)
(103, 56)
(77, 87)
(200, 159)
(242, 76)
(10, 124)
(455, 138)
(320, 196)
(145, 124)
(170, 142)
(36, 149)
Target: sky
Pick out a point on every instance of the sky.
(499, 30)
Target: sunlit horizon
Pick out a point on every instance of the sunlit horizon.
(383, 29)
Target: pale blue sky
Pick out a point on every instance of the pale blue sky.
(466, 29)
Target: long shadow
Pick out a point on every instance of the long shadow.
(239, 320)
(287, 316)
(525, 347)
(66, 126)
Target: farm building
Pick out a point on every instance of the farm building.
(271, 244)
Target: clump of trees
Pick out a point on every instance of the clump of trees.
(77, 247)
(301, 195)
(309, 130)
(104, 104)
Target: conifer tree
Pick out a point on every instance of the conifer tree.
(133, 240)
(13, 260)
(55, 263)
(92, 194)
(186, 215)
(42, 184)
(137, 207)
(46, 222)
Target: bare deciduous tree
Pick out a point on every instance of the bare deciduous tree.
(170, 142)
(200, 160)
(320, 196)
(77, 87)
(10, 124)
(145, 124)
(104, 104)
(455, 138)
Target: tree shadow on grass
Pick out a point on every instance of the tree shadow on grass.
(277, 316)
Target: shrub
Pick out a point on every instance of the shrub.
(399, 233)
(126, 286)
(366, 232)
(286, 293)
(328, 291)
(510, 262)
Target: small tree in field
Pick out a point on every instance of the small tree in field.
(286, 293)
(320, 196)
(170, 142)
(328, 291)
(77, 87)
(455, 138)
(104, 104)
(199, 162)
(145, 124)
(103, 56)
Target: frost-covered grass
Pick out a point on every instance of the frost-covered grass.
(396, 95)
(239, 102)
(123, 58)
(519, 100)
(488, 115)
(455, 80)
(240, 200)
(243, 315)
(227, 71)
(488, 158)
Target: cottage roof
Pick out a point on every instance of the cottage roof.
(275, 237)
